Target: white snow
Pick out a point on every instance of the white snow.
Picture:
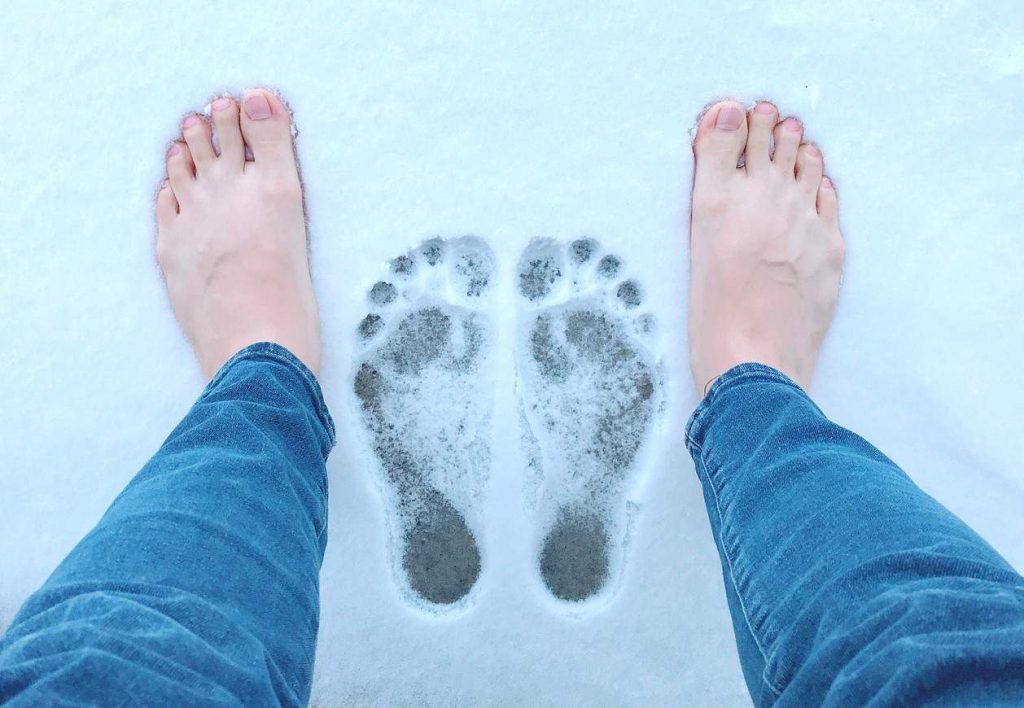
(512, 121)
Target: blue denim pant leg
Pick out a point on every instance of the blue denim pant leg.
(199, 586)
(847, 584)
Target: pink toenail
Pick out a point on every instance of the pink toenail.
(729, 118)
(813, 151)
(173, 150)
(221, 103)
(827, 183)
(791, 124)
(764, 107)
(257, 107)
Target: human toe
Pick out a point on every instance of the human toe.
(266, 127)
(199, 138)
(760, 121)
(166, 204)
(827, 201)
(180, 169)
(810, 167)
(229, 133)
(787, 136)
(720, 141)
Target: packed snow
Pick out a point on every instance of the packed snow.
(530, 128)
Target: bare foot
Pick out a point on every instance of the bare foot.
(232, 235)
(766, 255)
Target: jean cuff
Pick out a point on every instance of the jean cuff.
(737, 375)
(275, 352)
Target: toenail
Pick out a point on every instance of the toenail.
(791, 124)
(257, 107)
(190, 121)
(221, 103)
(827, 183)
(173, 150)
(729, 118)
(764, 107)
(813, 151)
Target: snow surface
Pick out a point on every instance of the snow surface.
(512, 121)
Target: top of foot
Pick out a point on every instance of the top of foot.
(766, 254)
(231, 233)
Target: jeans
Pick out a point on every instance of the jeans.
(847, 584)
(199, 586)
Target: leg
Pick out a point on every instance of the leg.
(847, 584)
(200, 584)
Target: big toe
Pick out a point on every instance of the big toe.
(266, 126)
(721, 139)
